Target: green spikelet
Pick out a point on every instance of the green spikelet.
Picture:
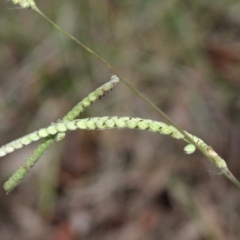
(25, 3)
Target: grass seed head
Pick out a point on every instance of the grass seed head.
(24, 3)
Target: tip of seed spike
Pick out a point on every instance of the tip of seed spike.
(114, 79)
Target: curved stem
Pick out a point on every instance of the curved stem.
(101, 123)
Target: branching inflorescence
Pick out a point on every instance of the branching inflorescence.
(56, 131)
(52, 132)
(49, 140)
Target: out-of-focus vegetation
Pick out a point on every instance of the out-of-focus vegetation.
(122, 184)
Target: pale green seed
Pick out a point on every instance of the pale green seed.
(154, 126)
(120, 123)
(81, 124)
(60, 136)
(78, 109)
(34, 136)
(91, 125)
(100, 124)
(143, 125)
(71, 126)
(9, 149)
(86, 103)
(114, 80)
(99, 92)
(52, 130)
(189, 149)
(177, 135)
(25, 140)
(92, 97)
(131, 123)
(43, 133)
(16, 144)
(110, 123)
(166, 130)
(61, 127)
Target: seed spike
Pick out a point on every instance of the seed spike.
(25, 3)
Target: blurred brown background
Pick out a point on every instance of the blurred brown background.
(122, 184)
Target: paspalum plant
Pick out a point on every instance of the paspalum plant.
(57, 131)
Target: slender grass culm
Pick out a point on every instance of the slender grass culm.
(57, 131)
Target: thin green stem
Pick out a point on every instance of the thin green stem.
(17, 177)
